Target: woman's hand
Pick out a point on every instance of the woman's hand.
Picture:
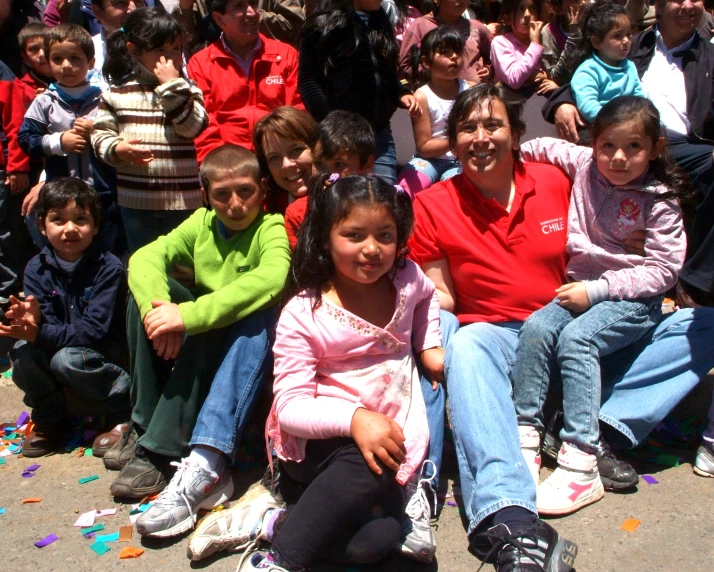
(410, 103)
(432, 360)
(378, 437)
(573, 297)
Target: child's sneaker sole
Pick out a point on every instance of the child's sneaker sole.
(597, 495)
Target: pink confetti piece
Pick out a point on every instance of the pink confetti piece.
(106, 512)
(650, 479)
(46, 540)
(87, 519)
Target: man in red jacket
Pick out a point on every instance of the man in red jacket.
(243, 75)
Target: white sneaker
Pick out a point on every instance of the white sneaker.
(574, 484)
(704, 463)
(530, 448)
(418, 541)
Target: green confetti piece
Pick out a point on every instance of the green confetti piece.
(88, 452)
(667, 460)
(94, 528)
(85, 480)
(100, 548)
(113, 537)
(2, 460)
(2, 511)
(10, 437)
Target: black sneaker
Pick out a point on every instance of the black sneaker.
(142, 475)
(533, 548)
(551, 439)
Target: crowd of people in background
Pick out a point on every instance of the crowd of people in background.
(204, 224)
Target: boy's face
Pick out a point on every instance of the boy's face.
(34, 56)
(69, 64)
(344, 163)
(112, 13)
(236, 198)
(241, 21)
(70, 230)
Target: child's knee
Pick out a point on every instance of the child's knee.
(26, 357)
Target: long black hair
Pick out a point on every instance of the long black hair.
(439, 40)
(329, 204)
(148, 29)
(597, 20)
(628, 108)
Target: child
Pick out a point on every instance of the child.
(625, 183)
(442, 61)
(342, 144)
(348, 60)
(560, 39)
(602, 70)
(71, 325)
(146, 125)
(183, 345)
(516, 55)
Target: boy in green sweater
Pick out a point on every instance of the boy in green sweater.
(204, 351)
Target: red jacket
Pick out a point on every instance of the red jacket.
(24, 90)
(235, 102)
(6, 79)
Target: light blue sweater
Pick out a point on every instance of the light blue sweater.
(595, 83)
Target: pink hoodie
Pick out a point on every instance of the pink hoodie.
(602, 216)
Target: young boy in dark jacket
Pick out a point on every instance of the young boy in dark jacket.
(71, 325)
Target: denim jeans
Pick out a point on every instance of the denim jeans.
(41, 374)
(143, 227)
(385, 162)
(419, 173)
(641, 384)
(556, 339)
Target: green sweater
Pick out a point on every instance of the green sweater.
(234, 277)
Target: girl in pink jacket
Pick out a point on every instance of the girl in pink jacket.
(612, 298)
(349, 422)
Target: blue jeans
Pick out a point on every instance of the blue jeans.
(641, 384)
(385, 162)
(555, 339)
(144, 227)
(41, 375)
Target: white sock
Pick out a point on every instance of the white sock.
(207, 459)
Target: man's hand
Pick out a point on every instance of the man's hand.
(168, 346)
(573, 297)
(17, 182)
(432, 360)
(410, 103)
(378, 436)
(72, 142)
(567, 120)
(27, 311)
(130, 152)
(165, 70)
(30, 200)
(164, 318)
(83, 127)
(635, 243)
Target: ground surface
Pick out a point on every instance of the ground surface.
(676, 531)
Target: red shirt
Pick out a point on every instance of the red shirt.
(23, 92)
(294, 215)
(234, 101)
(504, 265)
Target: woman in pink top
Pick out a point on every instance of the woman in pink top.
(348, 421)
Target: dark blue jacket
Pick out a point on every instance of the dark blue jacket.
(81, 309)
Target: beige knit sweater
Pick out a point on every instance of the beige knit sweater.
(166, 118)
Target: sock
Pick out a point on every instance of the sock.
(514, 517)
(270, 520)
(207, 459)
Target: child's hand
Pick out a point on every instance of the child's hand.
(534, 30)
(378, 436)
(484, 73)
(410, 103)
(83, 127)
(165, 70)
(131, 153)
(573, 297)
(635, 243)
(30, 200)
(20, 330)
(575, 11)
(17, 182)
(40, 91)
(546, 86)
(72, 142)
(164, 318)
(432, 360)
(27, 311)
(168, 345)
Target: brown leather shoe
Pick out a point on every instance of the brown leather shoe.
(105, 441)
(42, 440)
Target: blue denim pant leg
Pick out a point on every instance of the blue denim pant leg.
(385, 162)
(143, 226)
(643, 383)
(493, 474)
(435, 400)
(237, 383)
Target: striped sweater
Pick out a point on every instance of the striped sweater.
(166, 118)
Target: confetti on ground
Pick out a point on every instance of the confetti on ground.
(2, 461)
(22, 419)
(2, 511)
(90, 535)
(113, 537)
(87, 519)
(29, 472)
(106, 512)
(125, 533)
(649, 479)
(100, 548)
(131, 552)
(451, 503)
(46, 540)
(94, 528)
(630, 525)
(85, 480)
(667, 460)
(31, 500)
(88, 452)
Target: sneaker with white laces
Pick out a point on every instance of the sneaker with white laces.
(419, 542)
(530, 448)
(235, 528)
(704, 463)
(574, 484)
(175, 510)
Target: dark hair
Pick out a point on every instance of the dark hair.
(217, 6)
(312, 267)
(469, 100)
(628, 108)
(30, 31)
(509, 8)
(59, 192)
(437, 41)
(148, 29)
(69, 33)
(597, 20)
(228, 158)
(344, 131)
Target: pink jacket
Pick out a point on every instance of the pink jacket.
(513, 62)
(602, 216)
(329, 363)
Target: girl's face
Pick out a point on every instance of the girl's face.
(170, 51)
(623, 152)
(615, 46)
(445, 64)
(289, 163)
(363, 246)
(367, 5)
(451, 10)
(521, 18)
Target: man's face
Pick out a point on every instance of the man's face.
(241, 21)
(679, 17)
(113, 13)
